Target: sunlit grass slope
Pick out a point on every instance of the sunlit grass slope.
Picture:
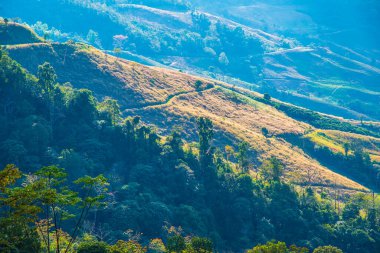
(167, 98)
(335, 141)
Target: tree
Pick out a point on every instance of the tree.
(265, 131)
(243, 157)
(54, 201)
(57, 201)
(127, 247)
(176, 243)
(46, 77)
(111, 108)
(82, 106)
(46, 195)
(327, 249)
(229, 150)
(205, 134)
(200, 245)
(270, 247)
(277, 247)
(93, 189)
(6, 20)
(198, 85)
(157, 246)
(346, 147)
(175, 141)
(90, 244)
(272, 169)
(17, 213)
(267, 97)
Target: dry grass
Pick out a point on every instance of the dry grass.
(167, 98)
(133, 84)
(243, 120)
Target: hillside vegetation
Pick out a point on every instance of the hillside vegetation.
(13, 33)
(308, 63)
(156, 187)
(144, 90)
(105, 155)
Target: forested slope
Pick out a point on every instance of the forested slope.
(154, 182)
(138, 88)
(161, 181)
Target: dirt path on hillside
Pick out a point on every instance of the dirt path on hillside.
(167, 101)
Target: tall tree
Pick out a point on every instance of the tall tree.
(111, 108)
(243, 157)
(47, 77)
(272, 169)
(17, 213)
(205, 134)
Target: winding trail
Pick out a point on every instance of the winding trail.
(168, 100)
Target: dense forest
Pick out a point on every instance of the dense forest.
(78, 177)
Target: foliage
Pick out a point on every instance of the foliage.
(316, 119)
(153, 182)
(327, 249)
(243, 156)
(277, 247)
(90, 245)
(127, 247)
(272, 169)
(176, 243)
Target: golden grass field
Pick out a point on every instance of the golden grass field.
(167, 98)
(244, 121)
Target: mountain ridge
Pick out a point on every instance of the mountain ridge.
(160, 96)
(328, 73)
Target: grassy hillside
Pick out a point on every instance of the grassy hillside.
(167, 98)
(149, 183)
(14, 33)
(335, 141)
(85, 67)
(303, 63)
(243, 119)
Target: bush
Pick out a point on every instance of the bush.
(127, 247)
(176, 243)
(91, 245)
(327, 249)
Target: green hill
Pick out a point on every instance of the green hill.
(12, 33)
(167, 98)
(204, 165)
(310, 63)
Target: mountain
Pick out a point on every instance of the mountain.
(182, 156)
(167, 98)
(298, 52)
